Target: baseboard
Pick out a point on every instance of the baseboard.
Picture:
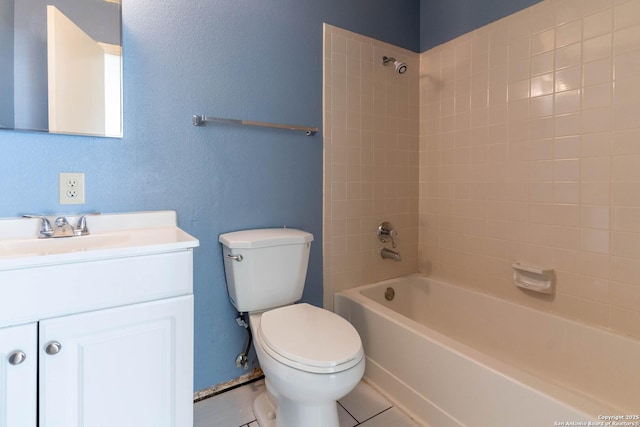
(252, 376)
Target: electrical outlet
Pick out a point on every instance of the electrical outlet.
(71, 187)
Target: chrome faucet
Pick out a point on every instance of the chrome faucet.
(389, 254)
(61, 227)
(386, 232)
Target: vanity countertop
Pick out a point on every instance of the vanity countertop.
(111, 236)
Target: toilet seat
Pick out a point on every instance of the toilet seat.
(310, 339)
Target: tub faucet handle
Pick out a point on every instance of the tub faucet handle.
(386, 232)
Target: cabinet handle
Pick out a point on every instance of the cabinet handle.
(53, 347)
(17, 357)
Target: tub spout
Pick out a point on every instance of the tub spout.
(389, 254)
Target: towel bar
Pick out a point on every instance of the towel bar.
(201, 120)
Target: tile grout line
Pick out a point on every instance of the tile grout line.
(347, 411)
(373, 416)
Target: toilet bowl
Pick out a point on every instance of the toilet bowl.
(309, 364)
(310, 357)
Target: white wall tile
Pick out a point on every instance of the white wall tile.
(525, 140)
(374, 126)
(559, 165)
(598, 23)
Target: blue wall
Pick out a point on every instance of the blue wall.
(259, 60)
(444, 20)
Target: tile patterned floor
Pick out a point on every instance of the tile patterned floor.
(364, 406)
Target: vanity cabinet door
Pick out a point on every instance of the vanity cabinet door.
(18, 375)
(129, 366)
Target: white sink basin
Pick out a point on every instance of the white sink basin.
(111, 236)
(36, 247)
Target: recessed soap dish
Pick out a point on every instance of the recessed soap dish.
(533, 278)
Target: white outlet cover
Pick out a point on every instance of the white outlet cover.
(71, 188)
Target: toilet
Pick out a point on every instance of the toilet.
(310, 357)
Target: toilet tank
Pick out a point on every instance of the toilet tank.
(265, 268)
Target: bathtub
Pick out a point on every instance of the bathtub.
(450, 356)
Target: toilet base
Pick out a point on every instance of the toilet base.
(264, 410)
(294, 414)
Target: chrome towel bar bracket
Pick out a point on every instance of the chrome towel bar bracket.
(201, 120)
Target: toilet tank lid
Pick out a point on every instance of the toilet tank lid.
(264, 237)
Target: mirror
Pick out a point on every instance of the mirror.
(61, 66)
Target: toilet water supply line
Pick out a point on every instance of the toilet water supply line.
(242, 360)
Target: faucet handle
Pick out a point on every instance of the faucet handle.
(81, 228)
(45, 226)
(385, 230)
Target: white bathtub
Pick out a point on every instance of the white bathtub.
(450, 356)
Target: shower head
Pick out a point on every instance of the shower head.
(401, 67)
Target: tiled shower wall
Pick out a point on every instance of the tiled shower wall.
(371, 162)
(530, 152)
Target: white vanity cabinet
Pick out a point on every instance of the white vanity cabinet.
(123, 366)
(118, 367)
(18, 375)
(100, 338)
